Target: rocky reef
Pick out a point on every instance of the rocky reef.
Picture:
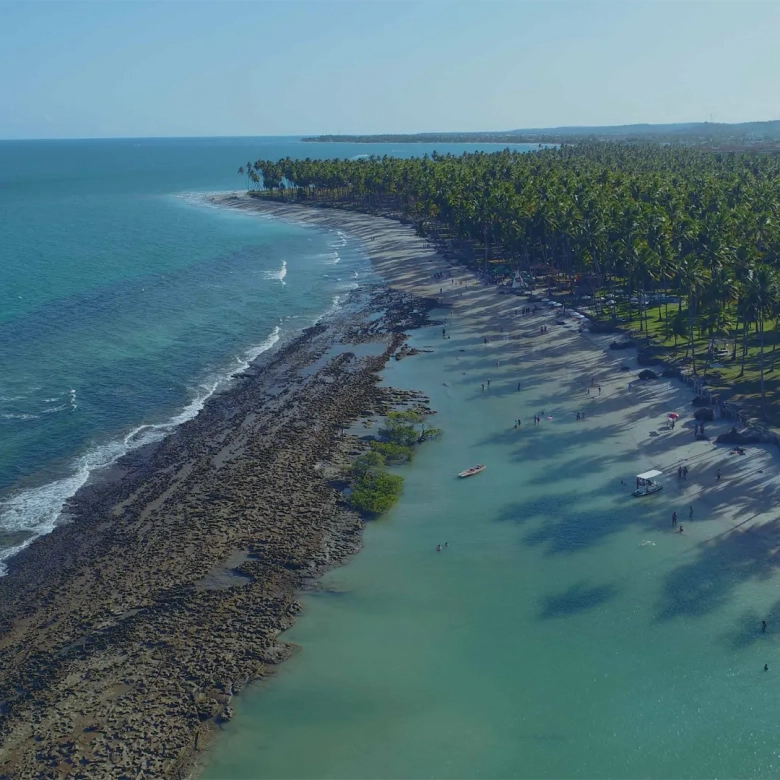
(125, 633)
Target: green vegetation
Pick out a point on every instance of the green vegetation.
(373, 489)
(755, 135)
(680, 244)
(392, 453)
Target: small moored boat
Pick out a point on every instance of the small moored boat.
(472, 471)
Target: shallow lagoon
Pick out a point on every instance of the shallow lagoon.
(547, 640)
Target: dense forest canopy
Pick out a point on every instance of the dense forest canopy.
(632, 219)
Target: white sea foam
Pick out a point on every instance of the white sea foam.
(18, 416)
(36, 510)
(278, 275)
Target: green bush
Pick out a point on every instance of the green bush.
(392, 453)
(376, 492)
(401, 428)
(367, 464)
(373, 489)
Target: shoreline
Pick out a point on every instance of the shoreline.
(203, 625)
(554, 499)
(187, 555)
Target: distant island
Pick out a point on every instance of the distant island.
(754, 135)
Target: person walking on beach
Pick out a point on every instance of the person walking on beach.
(518, 385)
(685, 472)
(674, 519)
(690, 513)
(679, 472)
(717, 479)
(599, 389)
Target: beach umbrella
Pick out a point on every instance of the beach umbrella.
(674, 416)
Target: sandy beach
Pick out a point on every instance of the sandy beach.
(127, 632)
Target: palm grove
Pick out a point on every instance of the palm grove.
(634, 224)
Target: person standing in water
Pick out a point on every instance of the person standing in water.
(674, 519)
(763, 626)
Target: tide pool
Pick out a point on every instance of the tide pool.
(565, 631)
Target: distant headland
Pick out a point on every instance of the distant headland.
(754, 135)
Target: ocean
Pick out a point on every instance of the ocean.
(126, 299)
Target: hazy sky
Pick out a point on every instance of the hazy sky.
(273, 68)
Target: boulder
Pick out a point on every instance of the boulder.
(699, 401)
(704, 414)
(647, 374)
(625, 344)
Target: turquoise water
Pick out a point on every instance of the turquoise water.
(125, 300)
(564, 632)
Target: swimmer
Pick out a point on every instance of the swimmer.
(438, 548)
(681, 529)
(766, 667)
(446, 544)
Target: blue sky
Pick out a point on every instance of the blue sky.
(103, 69)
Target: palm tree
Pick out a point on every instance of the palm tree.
(763, 297)
(693, 280)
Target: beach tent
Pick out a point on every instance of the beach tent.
(649, 474)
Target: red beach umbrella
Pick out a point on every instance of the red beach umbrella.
(674, 416)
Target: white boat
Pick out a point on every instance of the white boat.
(472, 471)
(647, 484)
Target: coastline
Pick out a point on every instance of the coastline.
(550, 560)
(205, 557)
(128, 629)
